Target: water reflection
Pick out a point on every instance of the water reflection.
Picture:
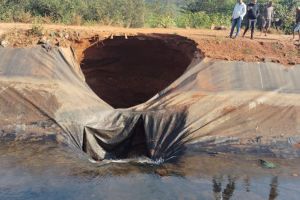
(217, 187)
(58, 174)
(247, 183)
(273, 191)
(228, 192)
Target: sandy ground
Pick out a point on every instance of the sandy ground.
(212, 43)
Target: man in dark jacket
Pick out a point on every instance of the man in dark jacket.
(297, 27)
(252, 14)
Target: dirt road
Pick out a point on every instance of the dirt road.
(212, 43)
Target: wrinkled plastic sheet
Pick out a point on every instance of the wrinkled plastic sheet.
(215, 105)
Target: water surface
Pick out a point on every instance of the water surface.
(48, 172)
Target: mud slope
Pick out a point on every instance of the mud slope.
(126, 72)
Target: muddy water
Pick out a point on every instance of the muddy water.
(47, 172)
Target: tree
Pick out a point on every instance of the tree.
(209, 6)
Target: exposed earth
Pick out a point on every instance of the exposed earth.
(212, 43)
(126, 67)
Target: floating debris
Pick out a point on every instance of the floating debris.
(267, 164)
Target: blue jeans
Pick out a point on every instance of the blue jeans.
(236, 23)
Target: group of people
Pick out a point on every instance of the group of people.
(251, 12)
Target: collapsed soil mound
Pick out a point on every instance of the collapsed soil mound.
(126, 71)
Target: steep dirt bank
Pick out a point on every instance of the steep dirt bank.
(128, 71)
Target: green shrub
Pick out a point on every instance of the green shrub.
(182, 21)
(129, 13)
(288, 17)
(23, 17)
(160, 21)
(152, 21)
(135, 13)
(201, 20)
(167, 22)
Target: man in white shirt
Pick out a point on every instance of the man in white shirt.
(238, 14)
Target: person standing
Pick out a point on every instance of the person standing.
(238, 14)
(252, 14)
(268, 17)
(297, 27)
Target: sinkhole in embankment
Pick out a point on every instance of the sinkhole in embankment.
(127, 71)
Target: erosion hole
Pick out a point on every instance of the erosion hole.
(125, 72)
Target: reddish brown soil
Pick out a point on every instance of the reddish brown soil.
(251, 50)
(126, 72)
(213, 43)
(126, 67)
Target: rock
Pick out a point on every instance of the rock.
(213, 27)
(43, 40)
(267, 60)
(67, 36)
(292, 63)
(20, 127)
(275, 60)
(45, 43)
(4, 43)
(295, 175)
(258, 139)
(52, 34)
(60, 34)
(77, 36)
(162, 172)
(47, 46)
(57, 44)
